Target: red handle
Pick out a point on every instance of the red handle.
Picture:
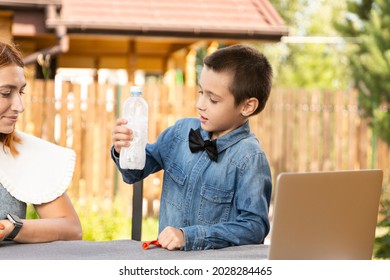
(146, 244)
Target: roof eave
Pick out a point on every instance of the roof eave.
(273, 33)
(29, 4)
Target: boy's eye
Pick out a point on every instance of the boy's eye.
(213, 101)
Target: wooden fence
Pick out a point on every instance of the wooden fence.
(299, 131)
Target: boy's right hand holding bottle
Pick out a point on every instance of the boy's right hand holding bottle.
(122, 135)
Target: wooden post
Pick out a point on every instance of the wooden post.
(136, 221)
(190, 74)
(6, 18)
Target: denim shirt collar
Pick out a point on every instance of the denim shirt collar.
(230, 138)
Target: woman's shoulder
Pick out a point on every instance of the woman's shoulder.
(47, 170)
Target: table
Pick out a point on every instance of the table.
(121, 250)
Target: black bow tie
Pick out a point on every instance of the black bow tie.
(198, 144)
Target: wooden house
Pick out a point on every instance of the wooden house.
(156, 37)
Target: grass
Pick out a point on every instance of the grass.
(382, 240)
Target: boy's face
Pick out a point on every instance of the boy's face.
(216, 107)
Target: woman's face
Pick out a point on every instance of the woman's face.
(12, 84)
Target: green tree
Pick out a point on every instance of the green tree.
(306, 63)
(369, 22)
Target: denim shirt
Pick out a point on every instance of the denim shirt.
(216, 204)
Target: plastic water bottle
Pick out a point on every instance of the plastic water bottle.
(135, 111)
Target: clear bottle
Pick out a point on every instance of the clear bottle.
(135, 110)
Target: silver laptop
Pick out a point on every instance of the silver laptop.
(325, 215)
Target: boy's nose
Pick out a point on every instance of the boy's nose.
(200, 103)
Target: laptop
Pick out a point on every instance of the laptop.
(325, 215)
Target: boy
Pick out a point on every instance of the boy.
(212, 198)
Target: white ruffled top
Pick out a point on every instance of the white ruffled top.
(41, 172)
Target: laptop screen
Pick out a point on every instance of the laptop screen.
(325, 215)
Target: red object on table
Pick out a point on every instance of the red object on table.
(146, 244)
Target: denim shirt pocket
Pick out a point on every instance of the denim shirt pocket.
(174, 186)
(215, 205)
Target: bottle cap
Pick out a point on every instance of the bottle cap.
(135, 90)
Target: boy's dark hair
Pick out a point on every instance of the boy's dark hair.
(252, 73)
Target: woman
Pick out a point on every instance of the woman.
(31, 170)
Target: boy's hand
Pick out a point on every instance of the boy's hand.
(171, 238)
(121, 135)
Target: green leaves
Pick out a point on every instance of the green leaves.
(369, 59)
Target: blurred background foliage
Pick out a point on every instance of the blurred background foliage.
(103, 222)
(312, 57)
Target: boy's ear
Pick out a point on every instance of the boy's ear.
(250, 105)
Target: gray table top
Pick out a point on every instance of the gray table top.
(121, 250)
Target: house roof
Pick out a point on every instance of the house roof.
(255, 19)
(151, 30)
(235, 19)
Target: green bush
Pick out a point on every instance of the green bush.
(382, 241)
(105, 221)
